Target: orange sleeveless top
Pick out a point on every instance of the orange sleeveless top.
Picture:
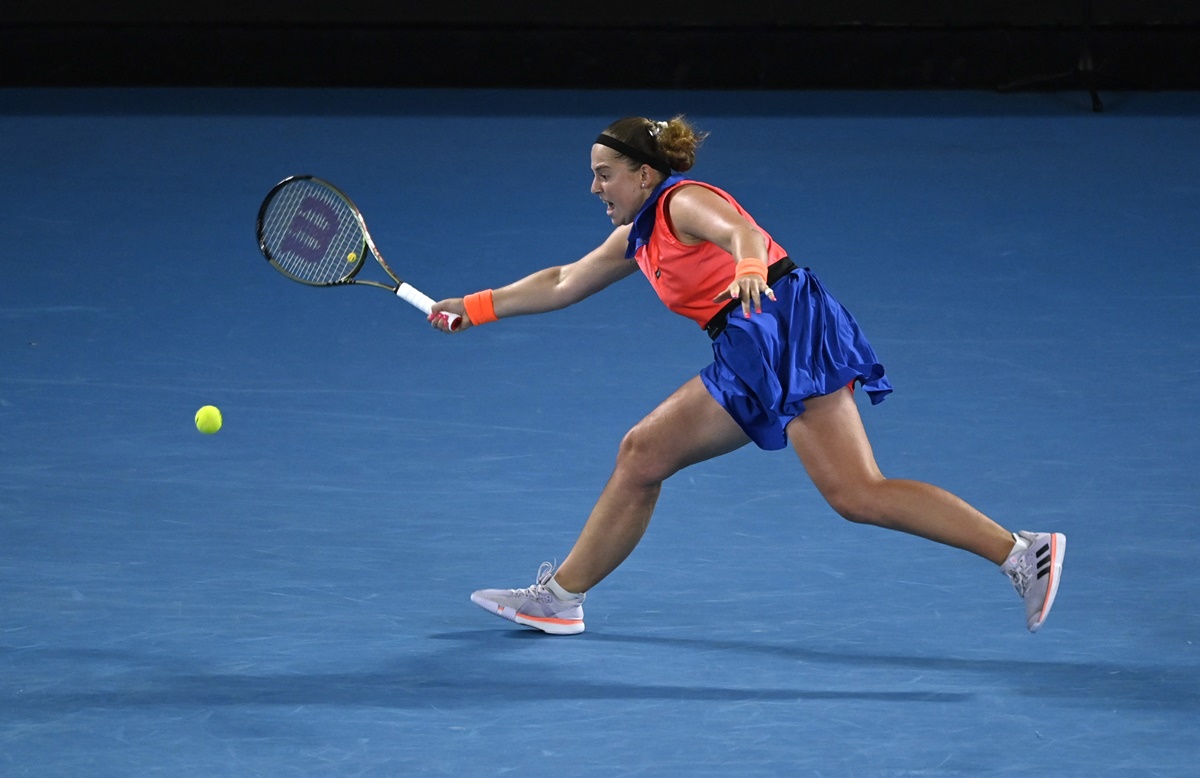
(687, 278)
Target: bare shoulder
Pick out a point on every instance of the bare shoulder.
(603, 265)
(692, 196)
(617, 241)
(613, 247)
(698, 214)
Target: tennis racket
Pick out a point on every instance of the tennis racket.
(310, 231)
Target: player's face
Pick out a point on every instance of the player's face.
(620, 189)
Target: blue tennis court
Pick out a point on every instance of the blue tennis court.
(290, 596)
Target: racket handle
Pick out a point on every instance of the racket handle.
(414, 297)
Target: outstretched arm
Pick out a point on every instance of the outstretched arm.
(554, 287)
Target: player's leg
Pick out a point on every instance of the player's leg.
(688, 427)
(833, 446)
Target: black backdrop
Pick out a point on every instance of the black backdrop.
(1111, 44)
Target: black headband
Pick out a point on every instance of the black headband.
(657, 163)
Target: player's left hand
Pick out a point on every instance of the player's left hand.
(750, 289)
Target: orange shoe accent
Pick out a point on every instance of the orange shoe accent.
(548, 620)
(1050, 584)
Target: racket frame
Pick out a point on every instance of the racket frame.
(401, 288)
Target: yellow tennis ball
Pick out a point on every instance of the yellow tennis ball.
(352, 257)
(208, 419)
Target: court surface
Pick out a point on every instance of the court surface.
(289, 597)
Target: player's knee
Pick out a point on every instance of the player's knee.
(640, 459)
(856, 502)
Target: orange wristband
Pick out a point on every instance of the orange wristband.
(751, 266)
(479, 307)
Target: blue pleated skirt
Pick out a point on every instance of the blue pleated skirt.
(802, 345)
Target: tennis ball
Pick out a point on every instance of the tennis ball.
(208, 419)
(352, 257)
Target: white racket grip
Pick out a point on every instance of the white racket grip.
(414, 297)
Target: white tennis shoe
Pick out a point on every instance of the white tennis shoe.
(535, 606)
(1035, 566)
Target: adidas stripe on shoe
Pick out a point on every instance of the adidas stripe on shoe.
(1035, 567)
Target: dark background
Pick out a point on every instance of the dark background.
(748, 44)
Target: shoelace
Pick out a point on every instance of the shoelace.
(545, 572)
(1021, 575)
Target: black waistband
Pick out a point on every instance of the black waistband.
(716, 325)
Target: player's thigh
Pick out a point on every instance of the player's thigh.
(687, 427)
(833, 447)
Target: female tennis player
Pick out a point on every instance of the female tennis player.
(787, 357)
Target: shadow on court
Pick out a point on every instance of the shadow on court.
(487, 666)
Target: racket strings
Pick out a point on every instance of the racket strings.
(312, 234)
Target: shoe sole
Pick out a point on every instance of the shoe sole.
(1058, 549)
(548, 625)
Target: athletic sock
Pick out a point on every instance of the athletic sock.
(1019, 545)
(560, 593)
